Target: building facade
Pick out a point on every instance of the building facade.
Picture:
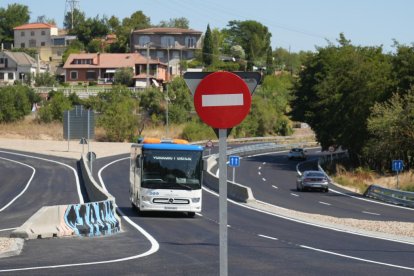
(101, 68)
(169, 45)
(18, 66)
(46, 38)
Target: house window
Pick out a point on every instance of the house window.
(190, 42)
(142, 40)
(1, 60)
(91, 75)
(160, 54)
(22, 45)
(22, 34)
(43, 33)
(43, 43)
(32, 43)
(10, 76)
(32, 33)
(167, 41)
(73, 75)
(1, 76)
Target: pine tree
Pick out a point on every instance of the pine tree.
(208, 47)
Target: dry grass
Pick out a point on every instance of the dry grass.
(30, 129)
(362, 178)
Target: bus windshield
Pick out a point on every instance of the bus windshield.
(171, 169)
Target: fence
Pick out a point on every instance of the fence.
(81, 92)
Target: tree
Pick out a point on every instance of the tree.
(14, 103)
(253, 37)
(390, 126)
(181, 101)
(14, 15)
(75, 47)
(119, 114)
(208, 47)
(403, 66)
(180, 22)
(54, 108)
(336, 90)
(45, 79)
(45, 19)
(71, 21)
(91, 28)
(123, 76)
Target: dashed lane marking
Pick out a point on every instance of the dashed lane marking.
(370, 213)
(324, 203)
(268, 237)
(276, 187)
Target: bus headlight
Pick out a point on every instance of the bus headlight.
(146, 198)
(195, 199)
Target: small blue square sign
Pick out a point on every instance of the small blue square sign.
(234, 161)
(397, 165)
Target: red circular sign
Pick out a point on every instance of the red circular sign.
(222, 100)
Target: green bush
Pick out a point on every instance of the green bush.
(196, 131)
(15, 103)
(54, 108)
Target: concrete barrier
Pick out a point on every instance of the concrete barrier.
(89, 219)
(235, 191)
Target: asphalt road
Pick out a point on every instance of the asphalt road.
(259, 243)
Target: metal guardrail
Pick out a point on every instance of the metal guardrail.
(390, 195)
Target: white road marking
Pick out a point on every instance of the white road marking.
(294, 194)
(268, 237)
(264, 179)
(222, 100)
(369, 213)
(8, 229)
(276, 187)
(57, 162)
(199, 214)
(259, 168)
(25, 188)
(372, 201)
(264, 163)
(356, 258)
(259, 173)
(324, 203)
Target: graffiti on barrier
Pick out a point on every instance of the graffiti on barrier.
(92, 219)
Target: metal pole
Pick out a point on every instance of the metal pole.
(168, 79)
(68, 128)
(89, 126)
(148, 64)
(234, 174)
(397, 179)
(223, 200)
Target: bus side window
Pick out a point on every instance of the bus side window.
(138, 161)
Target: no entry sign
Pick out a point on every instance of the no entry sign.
(222, 100)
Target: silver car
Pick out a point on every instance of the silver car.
(297, 153)
(312, 180)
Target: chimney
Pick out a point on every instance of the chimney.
(99, 58)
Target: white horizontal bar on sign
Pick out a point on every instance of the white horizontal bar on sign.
(222, 100)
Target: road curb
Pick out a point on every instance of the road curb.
(14, 249)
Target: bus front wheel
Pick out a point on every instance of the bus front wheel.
(191, 214)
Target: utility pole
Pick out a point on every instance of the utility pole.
(168, 79)
(72, 5)
(148, 58)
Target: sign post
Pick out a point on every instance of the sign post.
(397, 166)
(222, 100)
(234, 161)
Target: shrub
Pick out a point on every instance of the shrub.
(15, 103)
(196, 131)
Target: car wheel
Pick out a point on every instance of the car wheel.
(191, 214)
(326, 190)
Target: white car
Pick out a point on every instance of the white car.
(297, 153)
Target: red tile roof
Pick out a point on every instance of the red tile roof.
(107, 60)
(34, 26)
(167, 31)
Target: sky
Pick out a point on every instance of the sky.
(298, 25)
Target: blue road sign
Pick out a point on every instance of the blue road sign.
(234, 161)
(397, 165)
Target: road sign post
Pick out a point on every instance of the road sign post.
(234, 161)
(397, 166)
(222, 100)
